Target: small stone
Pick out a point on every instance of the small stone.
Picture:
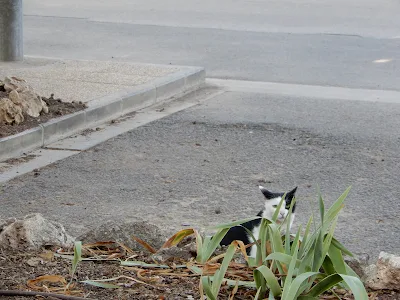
(184, 251)
(23, 95)
(358, 264)
(122, 231)
(33, 261)
(10, 112)
(240, 260)
(385, 274)
(14, 97)
(33, 232)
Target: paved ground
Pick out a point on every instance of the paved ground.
(73, 80)
(328, 42)
(183, 168)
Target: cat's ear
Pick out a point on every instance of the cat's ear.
(290, 195)
(267, 193)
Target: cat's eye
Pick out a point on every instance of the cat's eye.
(274, 206)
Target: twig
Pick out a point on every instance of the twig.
(31, 294)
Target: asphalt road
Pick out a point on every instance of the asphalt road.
(181, 169)
(336, 43)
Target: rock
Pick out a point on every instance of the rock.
(172, 254)
(14, 97)
(15, 83)
(385, 274)
(358, 264)
(10, 113)
(240, 259)
(33, 232)
(31, 103)
(123, 231)
(5, 222)
(184, 251)
(33, 261)
(23, 95)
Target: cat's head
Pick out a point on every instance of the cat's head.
(273, 200)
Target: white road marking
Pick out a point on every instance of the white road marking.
(309, 91)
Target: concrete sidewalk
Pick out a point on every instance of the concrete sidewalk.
(110, 89)
(83, 80)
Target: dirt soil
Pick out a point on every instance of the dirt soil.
(18, 269)
(57, 108)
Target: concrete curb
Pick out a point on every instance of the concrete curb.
(103, 109)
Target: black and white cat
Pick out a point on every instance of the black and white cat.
(271, 203)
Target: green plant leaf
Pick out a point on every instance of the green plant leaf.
(328, 267)
(317, 261)
(254, 262)
(321, 206)
(195, 269)
(199, 246)
(211, 245)
(134, 263)
(356, 287)
(293, 290)
(230, 282)
(219, 275)
(101, 284)
(337, 260)
(328, 238)
(278, 208)
(206, 284)
(287, 232)
(306, 298)
(257, 296)
(342, 248)
(275, 238)
(232, 224)
(296, 242)
(178, 237)
(271, 296)
(350, 271)
(328, 282)
(337, 206)
(304, 240)
(283, 258)
(325, 284)
(77, 256)
(289, 276)
(276, 245)
(264, 275)
(264, 237)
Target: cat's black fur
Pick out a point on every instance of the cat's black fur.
(239, 233)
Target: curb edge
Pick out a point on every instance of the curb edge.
(103, 109)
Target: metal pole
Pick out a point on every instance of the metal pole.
(11, 40)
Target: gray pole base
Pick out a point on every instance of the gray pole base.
(11, 24)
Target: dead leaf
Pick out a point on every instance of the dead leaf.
(177, 237)
(33, 283)
(144, 244)
(234, 291)
(98, 244)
